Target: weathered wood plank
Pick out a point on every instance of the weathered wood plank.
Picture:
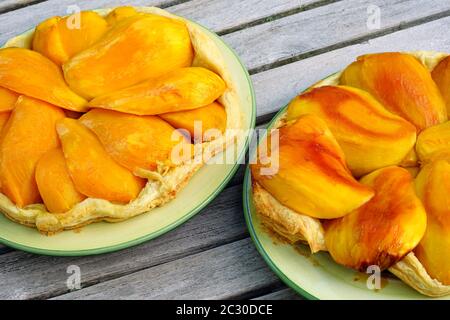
(219, 15)
(276, 87)
(7, 5)
(312, 31)
(226, 16)
(231, 271)
(26, 276)
(283, 294)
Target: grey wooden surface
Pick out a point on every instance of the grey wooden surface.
(287, 45)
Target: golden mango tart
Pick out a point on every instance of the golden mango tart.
(358, 165)
(99, 114)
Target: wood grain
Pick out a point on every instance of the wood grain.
(226, 16)
(262, 46)
(283, 294)
(231, 271)
(28, 276)
(8, 5)
(276, 87)
(218, 15)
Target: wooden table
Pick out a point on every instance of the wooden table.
(287, 45)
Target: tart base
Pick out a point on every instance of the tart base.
(291, 225)
(412, 272)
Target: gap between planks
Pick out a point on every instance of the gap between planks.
(283, 14)
(215, 14)
(350, 42)
(11, 5)
(232, 271)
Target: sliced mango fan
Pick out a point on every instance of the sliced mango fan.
(364, 168)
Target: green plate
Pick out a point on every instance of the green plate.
(316, 276)
(106, 237)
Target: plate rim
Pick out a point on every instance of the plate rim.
(187, 216)
(259, 247)
(246, 190)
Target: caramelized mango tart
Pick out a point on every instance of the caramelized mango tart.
(382, 120)
(96, 112)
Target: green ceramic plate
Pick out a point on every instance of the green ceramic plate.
(106, 237)
(315, 276)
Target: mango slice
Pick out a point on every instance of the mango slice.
(120, 13)
(182, 89)
(383, 230)
(402, 84)
(135, 49)
(311, 176)
(94, 173)
(370, 136)
(8, 99)
(54, 183)
(30, 73)
(28, 135)
(441, 76)
(61, 38)
(210, 117)
(133, 141)
(433, 187)
(47, 41)
(432, 141)
(4, 117)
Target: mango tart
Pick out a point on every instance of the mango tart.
(363, 168)
(98, 127)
